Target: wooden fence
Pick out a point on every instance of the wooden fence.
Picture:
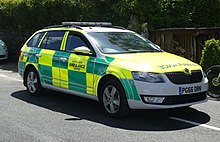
(186, 42)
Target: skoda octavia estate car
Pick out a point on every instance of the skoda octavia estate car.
(112, 65)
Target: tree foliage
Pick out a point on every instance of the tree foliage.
(23, 17)
(34, 14)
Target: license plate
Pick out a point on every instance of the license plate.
(189, 90)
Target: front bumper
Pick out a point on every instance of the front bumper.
(170, 92)
(4, 56)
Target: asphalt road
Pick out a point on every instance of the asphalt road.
(55, 117)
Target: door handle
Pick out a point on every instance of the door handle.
(25, 54)
(38, 55)
(63, 59)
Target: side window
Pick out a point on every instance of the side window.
(35, 40)
(53, 40)
(74, 41)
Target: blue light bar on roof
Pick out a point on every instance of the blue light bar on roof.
(87, 23)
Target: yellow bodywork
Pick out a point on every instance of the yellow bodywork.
(160, 62)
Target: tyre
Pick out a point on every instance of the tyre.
(213, 74)
(113, 99)
(33, 84)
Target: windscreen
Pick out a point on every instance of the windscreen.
(122, 42)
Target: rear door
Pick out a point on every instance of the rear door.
(49, 58)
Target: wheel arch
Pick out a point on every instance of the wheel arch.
(123, 107)
(111, 76)
(29, 66)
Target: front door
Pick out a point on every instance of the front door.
(74, 73)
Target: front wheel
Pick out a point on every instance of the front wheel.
(113, 99)
(33, 84)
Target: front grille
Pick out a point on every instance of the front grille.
(2, 56)
(182, 78)
(181, 99)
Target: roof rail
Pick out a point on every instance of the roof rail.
(104, 24)
(119, 27)
(79, 25)
(53, 26)
(60, 26)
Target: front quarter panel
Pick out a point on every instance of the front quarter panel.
(108, 66)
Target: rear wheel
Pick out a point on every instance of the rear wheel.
(113, 99)
(213, 75)
(33, 82)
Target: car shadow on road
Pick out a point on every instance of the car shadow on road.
(9, 65)
(83, 109)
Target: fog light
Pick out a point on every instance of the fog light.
(157, 100)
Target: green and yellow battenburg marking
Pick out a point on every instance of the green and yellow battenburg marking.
(75, 72)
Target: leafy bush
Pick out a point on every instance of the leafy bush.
(26, 16)
(210, 54)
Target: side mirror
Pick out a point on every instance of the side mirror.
(82, 50)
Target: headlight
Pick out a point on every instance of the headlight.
(148, 77)
(204, 74)
(2, 44)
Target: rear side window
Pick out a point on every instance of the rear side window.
(53, 40)
(35, 40)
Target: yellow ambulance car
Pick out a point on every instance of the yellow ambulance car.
(112, 65)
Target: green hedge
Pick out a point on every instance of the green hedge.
(210, 54)
(26, 16)
(35, 14)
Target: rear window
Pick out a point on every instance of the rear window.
(34, 42)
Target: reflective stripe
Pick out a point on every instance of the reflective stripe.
(119, 72)
(64, 79)
(89, 83)
(42, 40)
(96, 82)
(63, 44)
(55, 76)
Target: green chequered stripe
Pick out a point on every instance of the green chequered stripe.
(82, 89)
(47, 70)
(109, 59)
(47, 73)
(48, 81)
(90, 65)
(37, 51)
(77, 77)
(31, 56)
(21, 65)
(131, 90)
(56, 59)
(102, 65)
(64, 65)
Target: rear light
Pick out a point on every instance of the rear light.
(19, 54)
